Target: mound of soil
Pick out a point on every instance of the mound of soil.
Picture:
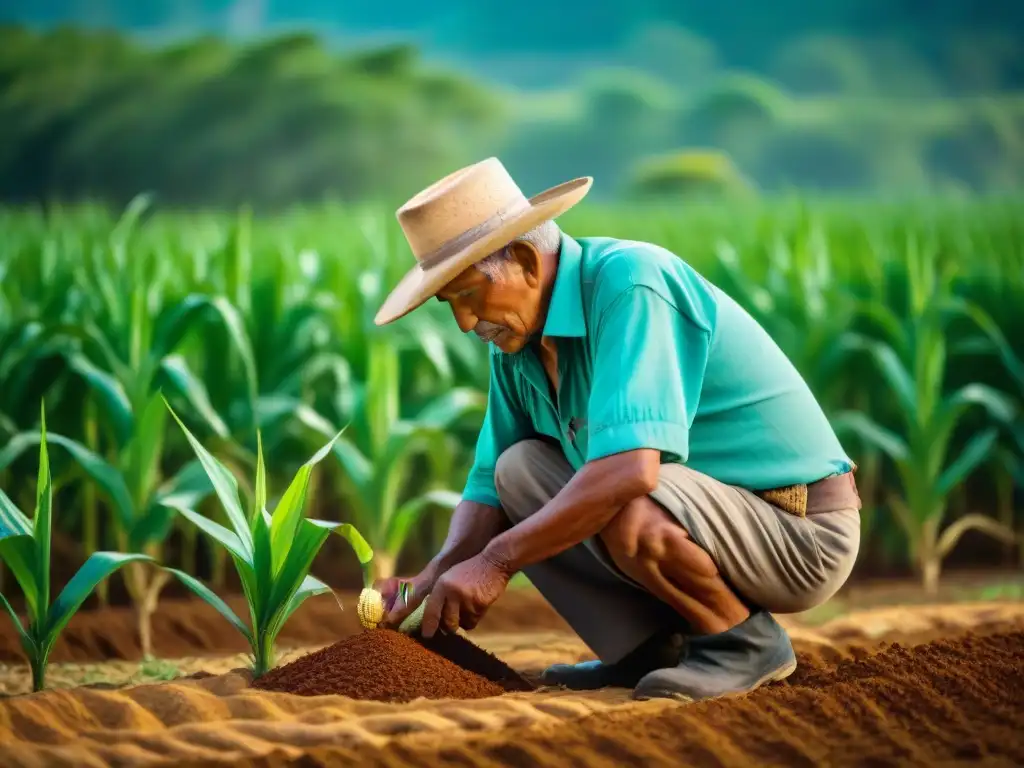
(186, 627)
(385, 665)
(949, 702)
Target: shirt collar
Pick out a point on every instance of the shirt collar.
(565, 312)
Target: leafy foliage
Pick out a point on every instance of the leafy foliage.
(272, 552)
(25, 550)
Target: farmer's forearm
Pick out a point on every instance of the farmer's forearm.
(472, 527)
(581, 509)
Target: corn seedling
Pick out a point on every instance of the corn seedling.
(139, 499)
(912, 361)
(25, 549)
(272, 552)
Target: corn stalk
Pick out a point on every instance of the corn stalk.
(911, 358)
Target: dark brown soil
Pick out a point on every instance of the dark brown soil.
(468, 655)
(950, 702)
(190, 627)
(385, 665)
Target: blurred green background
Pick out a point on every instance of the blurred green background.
(197, 198)
(276, 103)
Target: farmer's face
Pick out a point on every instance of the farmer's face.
(505, 309)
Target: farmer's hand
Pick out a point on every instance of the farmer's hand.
(418, 588)
(463, 594)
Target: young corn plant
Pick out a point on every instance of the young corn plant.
(911, 357)
(25, 549)
(138, 495)
(272, 552)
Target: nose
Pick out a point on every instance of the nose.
(465, 319)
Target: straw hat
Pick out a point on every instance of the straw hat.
(461, 219)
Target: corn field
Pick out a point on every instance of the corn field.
(905, 318)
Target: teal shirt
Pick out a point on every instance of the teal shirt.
(651, 355)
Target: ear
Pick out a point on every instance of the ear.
(529, 260)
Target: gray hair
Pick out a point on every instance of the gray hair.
(544, 237)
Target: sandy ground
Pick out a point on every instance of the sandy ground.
(855, 699)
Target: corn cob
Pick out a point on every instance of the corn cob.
(371, 608)
(371, 612)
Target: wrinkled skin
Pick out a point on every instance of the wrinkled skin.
(507, 312)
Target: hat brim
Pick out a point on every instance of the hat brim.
(419, 285)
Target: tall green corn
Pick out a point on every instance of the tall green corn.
(379, 462)
(911, 357)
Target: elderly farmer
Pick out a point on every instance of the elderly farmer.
(649, 457)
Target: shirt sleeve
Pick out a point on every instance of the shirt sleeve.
(505, 423)
(649, 363)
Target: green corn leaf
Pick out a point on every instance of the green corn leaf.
(111, 395)
(7, 426)
(130, 217)
(871, 432)
(974, 522)
(977, 450)
(250, 588)
(263, 576)
(235, 326)
(358, 468)
(275, 409)
(215, 530)
(952, 409)
(146, 447)
(224, 484)
(174, 322)
(210, 597)
(12, 521)
(973, 346)
(187, 488)
(991, 329)
(310, 587)
(288, 512)
(316, 366)
(887, 321)
(154, 526)
(347, 531)
(261, 477)
(891, 367)
(313, 421)
(89, 332)
(429, 338)
(109, 479)
(26, 642)
(998, 405)
(450, 407)
(382, 390)
(305, 546)
(193, 391)
(18, 552)
(43, 520)
(93, 571)
(409, 513)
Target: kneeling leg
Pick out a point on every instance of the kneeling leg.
(653, 549)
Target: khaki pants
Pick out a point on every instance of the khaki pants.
(774, 560)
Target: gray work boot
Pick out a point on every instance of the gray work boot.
(661, 650)
(740, 659)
